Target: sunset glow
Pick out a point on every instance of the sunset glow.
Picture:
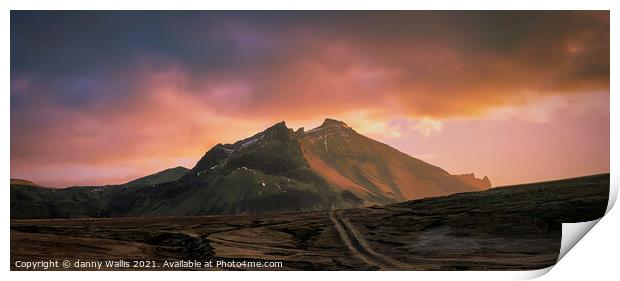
(104, 98)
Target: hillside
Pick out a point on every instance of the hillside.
(276, 170)
(508, 228)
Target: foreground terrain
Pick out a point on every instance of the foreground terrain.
(510, 228)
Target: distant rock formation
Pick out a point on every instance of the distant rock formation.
(471, 179)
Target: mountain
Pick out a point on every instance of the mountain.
(373, 171)
(168, 175)
(29, 200)
(22, 182)
(277, 170)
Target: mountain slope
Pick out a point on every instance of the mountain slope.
(259, 174)
(33, 201)
(168, 175)
(373, 170)
(277, 170)
(23, 182)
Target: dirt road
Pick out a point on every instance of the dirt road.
(360, 248)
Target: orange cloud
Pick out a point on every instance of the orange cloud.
(163, 102)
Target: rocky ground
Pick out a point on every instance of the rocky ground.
(509, 228)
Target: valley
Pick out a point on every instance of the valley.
(507, 228)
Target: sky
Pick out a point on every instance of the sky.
(106, 97)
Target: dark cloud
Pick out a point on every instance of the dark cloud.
(72, 70)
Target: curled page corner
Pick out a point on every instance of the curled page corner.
(572, 233)
(530, 274)
(613, 191)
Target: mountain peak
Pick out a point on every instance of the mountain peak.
(279, 125)
(278, 131)
(333, 122)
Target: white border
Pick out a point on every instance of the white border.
(595, 255)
